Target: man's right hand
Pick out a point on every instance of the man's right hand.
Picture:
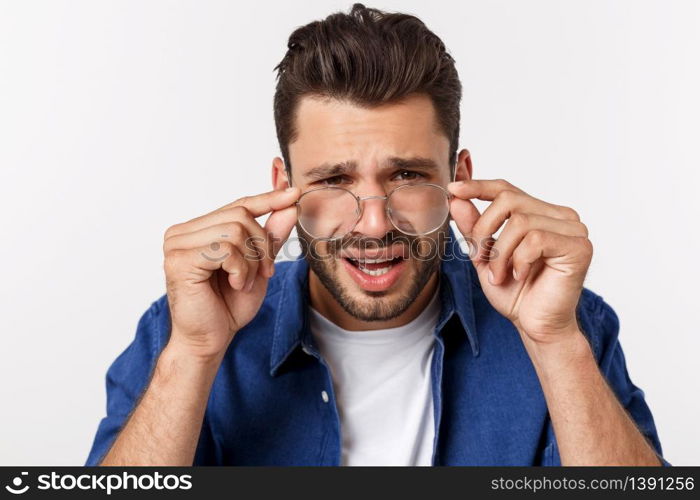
(217, 267)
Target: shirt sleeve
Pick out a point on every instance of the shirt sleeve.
(127, 378)
(602, 326)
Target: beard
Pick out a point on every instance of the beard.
(424, 258)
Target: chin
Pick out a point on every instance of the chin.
(373, 298)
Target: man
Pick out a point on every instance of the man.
(384, 344)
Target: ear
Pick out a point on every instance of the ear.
(463, 169)
(279, 174)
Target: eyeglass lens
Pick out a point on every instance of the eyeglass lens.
(331, 213)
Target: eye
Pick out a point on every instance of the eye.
(408, 175)
(333, 181)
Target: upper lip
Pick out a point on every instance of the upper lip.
(386, 253)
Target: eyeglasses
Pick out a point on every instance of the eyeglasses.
(332, 212)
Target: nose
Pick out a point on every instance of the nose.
(374, 222)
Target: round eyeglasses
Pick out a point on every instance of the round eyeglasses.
(332, 212)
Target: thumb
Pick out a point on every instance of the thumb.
(279, 225)
(465, 214)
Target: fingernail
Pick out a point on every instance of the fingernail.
(515, 274)
(237, 285)
(249, 286)
(289, 189)
(491, 278)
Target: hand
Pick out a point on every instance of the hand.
(535, 271)
(217, 267)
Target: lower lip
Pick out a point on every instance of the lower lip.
(375, 283)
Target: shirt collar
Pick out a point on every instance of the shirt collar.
(457, 278)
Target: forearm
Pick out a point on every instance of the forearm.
(590, 424)
(164, 427)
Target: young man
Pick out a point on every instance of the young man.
(384, 344)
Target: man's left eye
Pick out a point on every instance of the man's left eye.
(408, 175)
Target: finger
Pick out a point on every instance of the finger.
(507, 203)
(237, 269)
(194, 265)
(279, 226)
(482, 189)
(244, 232)
(539, 244)
(252, 206)
(465, 214)
(515, 230)
(264, 203)
(214, 254)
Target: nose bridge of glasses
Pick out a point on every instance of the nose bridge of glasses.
(375, 197)
(373, 218)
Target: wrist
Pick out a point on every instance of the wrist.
(182, 357)
(202, 348)
(562, 353)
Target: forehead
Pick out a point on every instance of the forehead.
(331, 130)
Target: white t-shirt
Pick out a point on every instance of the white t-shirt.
(382, 384)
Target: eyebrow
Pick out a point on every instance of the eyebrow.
(327, 170)
(415, 162)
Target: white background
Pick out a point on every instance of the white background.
(119, 119)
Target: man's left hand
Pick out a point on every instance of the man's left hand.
(533, 273)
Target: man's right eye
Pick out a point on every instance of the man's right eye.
(332, 181)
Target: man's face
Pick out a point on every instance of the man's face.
(370, 151)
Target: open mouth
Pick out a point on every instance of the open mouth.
(374, 267)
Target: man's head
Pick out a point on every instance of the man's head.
(369, 101)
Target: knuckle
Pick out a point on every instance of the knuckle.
(506, 197)
(587, 246)
(225, 247)
(519, 220)
(236, 230)
(240, 203)
(239, 212)
(584, 229)
(172, 231)
(535, 237)
(503, 184)
(171, 261)
(570, 213)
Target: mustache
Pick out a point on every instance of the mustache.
(422, 248)
(364, 242)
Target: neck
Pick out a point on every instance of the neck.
(325, 303)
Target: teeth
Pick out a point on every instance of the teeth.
(375, 272)
(370, 261)
(374, 261)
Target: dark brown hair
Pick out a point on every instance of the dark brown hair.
(368, 57)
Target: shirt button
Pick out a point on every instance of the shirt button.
(324, 396)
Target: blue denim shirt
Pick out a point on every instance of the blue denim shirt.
(266, 405)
